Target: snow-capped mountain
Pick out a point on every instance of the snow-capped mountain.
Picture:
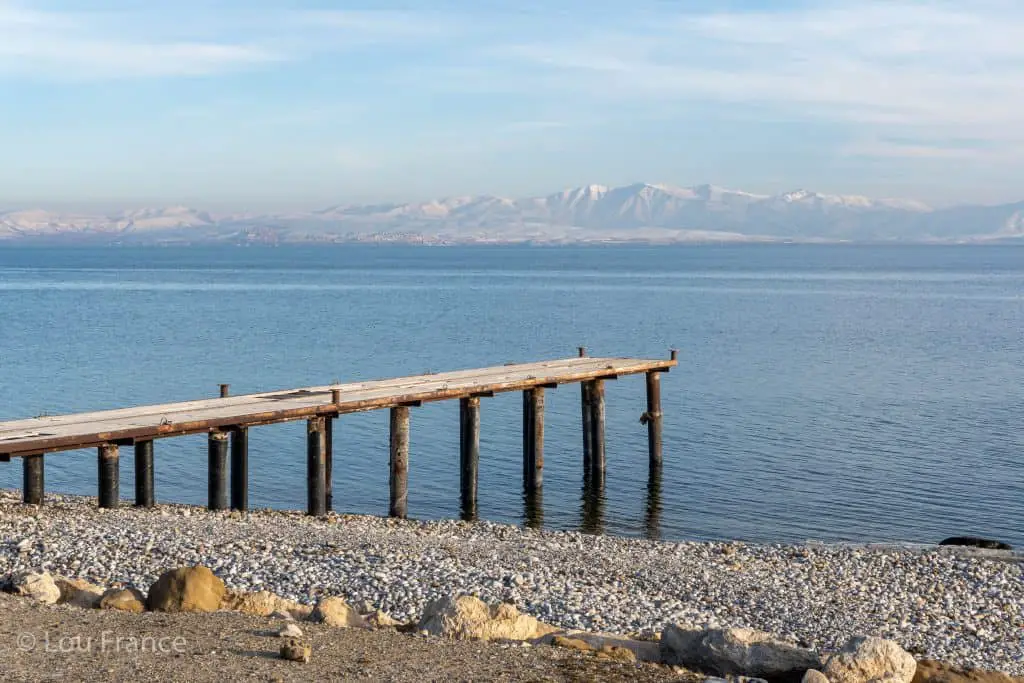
(639, 212)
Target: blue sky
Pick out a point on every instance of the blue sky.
(263, 104)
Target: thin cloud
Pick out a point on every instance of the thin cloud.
(69, 45)
(941, 69)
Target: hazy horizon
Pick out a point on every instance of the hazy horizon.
(274, 105)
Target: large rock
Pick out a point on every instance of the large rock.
(866, 658)
(186, 589)
(814, 676)
(36, 585)
(468, 617)
(294, 650)
(264, 604)
(334, 611)
(78, 592)
(975, 542)
(123, 600)
(644, 650)
(736, 651)
(930, 671)
(380, 619)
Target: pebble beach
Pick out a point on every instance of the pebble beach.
(955, 604)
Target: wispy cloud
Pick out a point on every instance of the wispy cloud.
(154, 43)
(76, 45)
(938, 68)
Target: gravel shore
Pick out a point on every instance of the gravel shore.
(955, 604)
(61, 643)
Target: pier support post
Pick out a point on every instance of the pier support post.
(32, 480)
(469, 454)
(588, 414)
(240, 469)
(653, 417)
(399, 461)
(316, 467)
(533, 438)
(109, 475)
(144, 497)
(329, 463)
(217, 471)
(597, 450)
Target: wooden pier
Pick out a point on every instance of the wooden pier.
(227, 419)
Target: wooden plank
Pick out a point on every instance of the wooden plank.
(475, 376)
(48, 434)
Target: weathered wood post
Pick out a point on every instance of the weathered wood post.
(399, 461)
(225, 390)
(653, 417)
(316, 467)
(329, 439)
(217, 470)
(596, 399)
(240, 469)
(533, 438)
(469, 454)
(144, 497)
(109, 475)
(328, 463)
(32, 480)
(588, 454)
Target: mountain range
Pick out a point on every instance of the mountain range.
(637, 213)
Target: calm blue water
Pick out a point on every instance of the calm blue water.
(824, 392)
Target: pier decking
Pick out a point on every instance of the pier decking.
(227, 419)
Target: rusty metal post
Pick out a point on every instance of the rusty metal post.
(399, 462)
(653, 417)
(144, 496)
(329, 463)
(469, 454)
(316, 468)
(597, 414)
(109, 475)
(32, 480)
(217, 470)
(240, 469)
(225, 389)
(533, 439)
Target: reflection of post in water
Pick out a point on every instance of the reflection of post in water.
(652, 516)
(593, 510)
(533, 504)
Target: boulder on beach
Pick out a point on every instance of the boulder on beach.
(186, 589)
(867, 658)
(124, 600)
(975, 542)
(735, 652)
(380, 619)
(643, 650)
(264, 604)
(78, 592)
(36, 585)
(814, 676)
(930, 671)
(294, 650)
(334, 611)
(466, 617)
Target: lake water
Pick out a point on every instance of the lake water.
(863, 393)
